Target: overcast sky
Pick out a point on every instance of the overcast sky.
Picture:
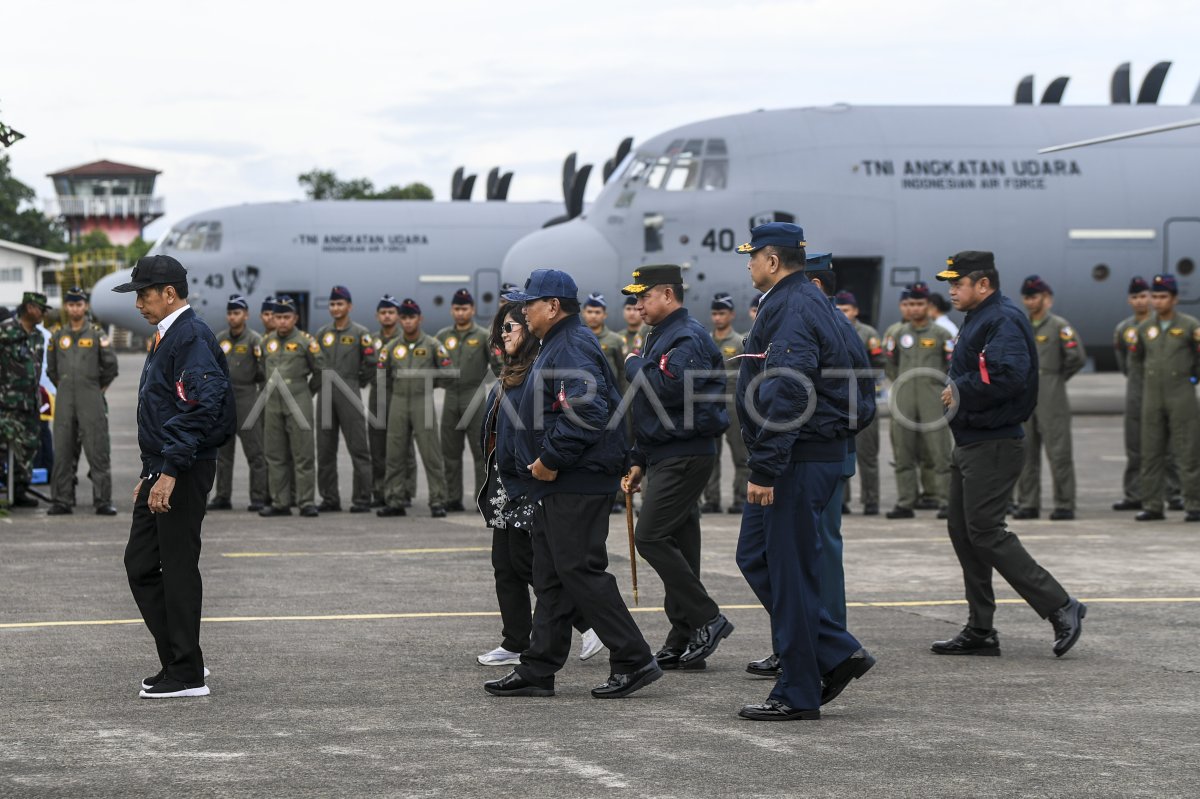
(232, 100)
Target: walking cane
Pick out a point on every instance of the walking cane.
(632, 552)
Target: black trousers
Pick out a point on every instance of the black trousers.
(569, 574)
(162, 561)
(668, 537)
(512, 561)
(982, 476)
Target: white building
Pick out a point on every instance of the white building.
(25, 269)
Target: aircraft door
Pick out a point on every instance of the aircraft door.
(1181, 255)
(861, 276)
(487, 293)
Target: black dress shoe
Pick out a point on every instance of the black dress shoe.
(1062, 515)
(926, 503)
(1027, 513)
(1192, 516)
(1127, 504)
(513, 684)
(1149, 516)
(774, 710)
(437, 511)
(455, 507)
(870, 510)
(737, 507)
(270, 510)
(705, 639)
(710, 507)
(328, 506)
(668, 660)
(1175, 504)
(621, 685)
(255, 507)
(901, 513)
(106, 510)
(390, 510)
(969, 642)
(219, 504)
(767, 667)
(837, 678)
(357, 508)
(59, 510)
(1068, 624)
(310, 512)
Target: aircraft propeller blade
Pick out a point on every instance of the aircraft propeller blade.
(575, 199)
(493, 177)
(1120, 91)
(468, 186)
(456, 181)
(609, 166)
(1129, 134)
(1054, 92)
(1153, 82)
(502, 186)
(568, 177)
(1025, 91)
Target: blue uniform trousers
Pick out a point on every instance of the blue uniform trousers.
(779, 553)
(833, 578)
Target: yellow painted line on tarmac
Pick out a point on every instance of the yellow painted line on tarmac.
(419, 551)
(465, 614)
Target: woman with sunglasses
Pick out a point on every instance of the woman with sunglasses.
(501, 499)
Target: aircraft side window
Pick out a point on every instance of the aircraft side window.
(684, 173)
(638, 169)
(716, 147)
(197, 236)
(658, 172)
(714, 175)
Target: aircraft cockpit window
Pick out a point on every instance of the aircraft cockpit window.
(685, 172)
(658, 172)
(687, 165)
(195, 237)
(715, 174)
(716, 147)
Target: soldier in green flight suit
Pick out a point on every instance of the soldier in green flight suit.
(926, 473)
(729, 342)
(243, 352)
(1169, 351)
(81, 364)
(635, 332)
(462, 409)
(292, 363)
(595, 314)
(21, 348)
(1125, 345)
(387, 312)
(348, 351)
(1060, 357)
(866, 441)
(412, 358)
(918, 416)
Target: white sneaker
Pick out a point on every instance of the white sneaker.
(589, 645)
(150, 682)
(499, 657)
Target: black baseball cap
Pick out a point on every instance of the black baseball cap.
(153, 270)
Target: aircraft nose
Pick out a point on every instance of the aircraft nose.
(574, 247)
(115, 309)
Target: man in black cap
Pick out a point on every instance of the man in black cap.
(674, 376)
(994, 378)
(21, 348)
(81, 364)
(729, 343)
(349, 356)
(243, 353)
(462, 410)
(574, 459)
(185, 412)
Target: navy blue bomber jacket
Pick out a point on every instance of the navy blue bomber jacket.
(185, 408)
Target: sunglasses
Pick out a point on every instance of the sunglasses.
(509, 327)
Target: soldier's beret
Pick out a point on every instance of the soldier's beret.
(388, 301)
(340, 293)
(846, 298)
(75, 294)
(1034, 285)
(462, 297)
(237, 303)
(595, 301)
(722, 301)
(1165, 283)
(1138, 284)
(409, 307)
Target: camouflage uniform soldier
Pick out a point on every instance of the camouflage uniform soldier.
(243, 352)
(387, 312)
(292, 363)
(411, 413)
(1125, 345)
(1060, 357)
(1169, 349)
(918, 344)
(467, 344)
(729, 342)
(866, 441)
(348, 350)
(81, 364)
(21, 347)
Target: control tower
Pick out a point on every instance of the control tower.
(104, 195)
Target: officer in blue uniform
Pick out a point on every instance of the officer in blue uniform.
(795, 422)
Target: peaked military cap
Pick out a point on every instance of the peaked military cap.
(964, 263)
(647, 277)
(778, 234)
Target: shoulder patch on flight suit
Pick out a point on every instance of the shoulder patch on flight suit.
(257, 351)
(240, 349)
(949, 345)
(327, 339)
(444, 357)
(872, 343)
(451, 342)
(313, 346)
(90, 342)
(226, 346)
(104, 341)
(1066, 334)
(292, 346)
(64, 343)
(1152, 332)
(273, 345)
(1131, 335)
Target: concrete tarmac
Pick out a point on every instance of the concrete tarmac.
(343, 658)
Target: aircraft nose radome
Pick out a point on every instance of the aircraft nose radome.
(574, 247)
(115, 309)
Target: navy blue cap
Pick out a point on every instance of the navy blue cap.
(845, 298)
(75, 294)
(545, 283)
(631, 300)
(1138, 285)
(388, 301)
(462, 297)
(284, 304)
(409, 307)
(340, 293)
(595, 301)
(722, 302)
(818, 262)
(778, 234)
(268, 304)
(915, 291)
(754, 302)
(1034, 285)
(1165, 283)
(237, 303)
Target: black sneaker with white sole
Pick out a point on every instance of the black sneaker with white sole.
(170, 688)
(150, 682)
